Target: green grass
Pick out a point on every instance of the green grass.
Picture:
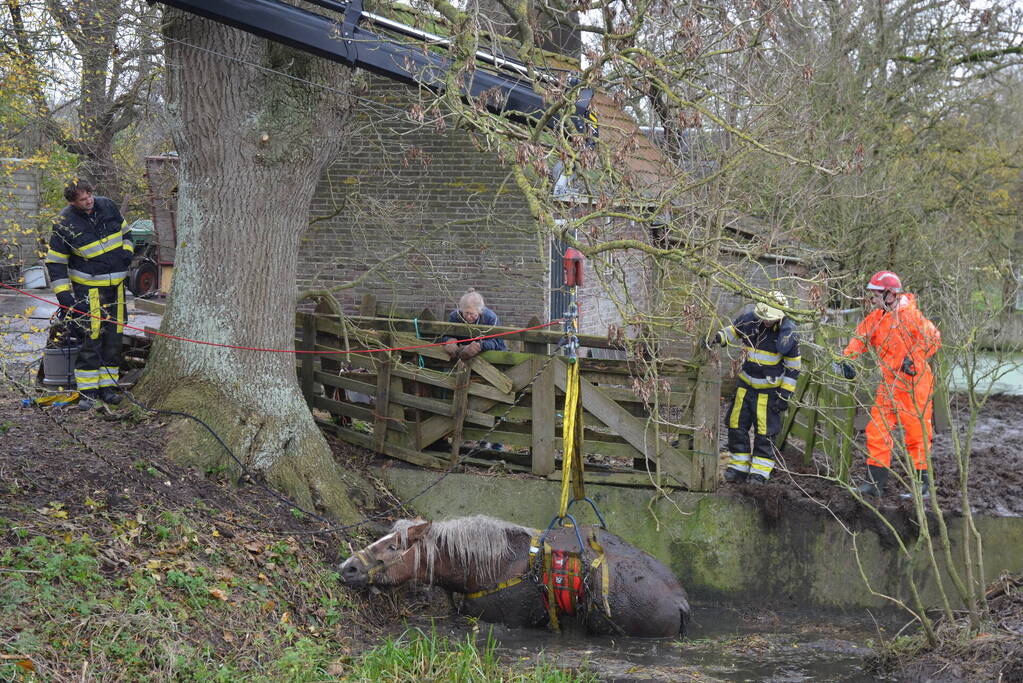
(151, 595)
(418, 656)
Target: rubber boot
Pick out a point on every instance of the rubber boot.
(734, 476)
(925, 487)
(877, 477)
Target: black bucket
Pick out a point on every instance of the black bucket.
(59, 367)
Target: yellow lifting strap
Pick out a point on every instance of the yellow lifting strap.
(601, 561)
(571, 433)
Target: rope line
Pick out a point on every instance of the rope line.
(266, 350)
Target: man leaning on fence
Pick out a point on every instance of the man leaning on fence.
(770, 343)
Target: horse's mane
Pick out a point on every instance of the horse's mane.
(478, 543)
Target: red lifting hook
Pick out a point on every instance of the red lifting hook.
(573, 262)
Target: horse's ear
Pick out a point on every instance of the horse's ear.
(418, 529)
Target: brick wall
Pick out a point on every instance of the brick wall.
(402, 185)
(19, 214)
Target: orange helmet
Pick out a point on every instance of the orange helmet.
(885, 281)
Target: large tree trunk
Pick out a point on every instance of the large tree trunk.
(252, 144)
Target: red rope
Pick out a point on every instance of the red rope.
(256, 348)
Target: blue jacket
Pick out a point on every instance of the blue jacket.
(487, 319)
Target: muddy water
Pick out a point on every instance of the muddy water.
(724, 644)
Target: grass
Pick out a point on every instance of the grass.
(151, 595)
(419, 656)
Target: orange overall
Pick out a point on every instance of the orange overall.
(902, 398)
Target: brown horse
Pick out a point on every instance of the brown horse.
(517, 576)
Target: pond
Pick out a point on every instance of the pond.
(1002, 372)
(723, 644)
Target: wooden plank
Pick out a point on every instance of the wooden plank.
(706, 416)
(614, 416)
(393, 450)
(439, 328)
(436, 427)
(497, 379)
(811, 425)
(461, 405)
(790, 415)
(346, 382)
(150, 306)
(439, 407)
(383, 404)
(357, 412)
(543, 415)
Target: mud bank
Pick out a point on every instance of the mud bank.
(721, 546)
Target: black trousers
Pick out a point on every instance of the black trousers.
(756, 409)
(100, 333)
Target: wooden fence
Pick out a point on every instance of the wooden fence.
(421, 407)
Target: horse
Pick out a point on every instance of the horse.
(518, 577)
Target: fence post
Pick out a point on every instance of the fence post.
(383, 402)
(460, 400)
(706, 418)
(544, 416)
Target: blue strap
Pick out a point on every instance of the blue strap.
(415, 321)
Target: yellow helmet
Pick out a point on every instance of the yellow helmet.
(770, 314)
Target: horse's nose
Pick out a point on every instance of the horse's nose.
(349, 570)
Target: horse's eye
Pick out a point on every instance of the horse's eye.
(393, 547)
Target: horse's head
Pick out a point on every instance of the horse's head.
(388, 561)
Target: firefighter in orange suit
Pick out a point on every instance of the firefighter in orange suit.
(903, 340)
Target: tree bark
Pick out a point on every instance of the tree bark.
(254, 130)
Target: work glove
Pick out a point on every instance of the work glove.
(781, 403)
(844, 369)
(716, 339)
(907, 366)
(65, 298)
(451, 349)
(470, 350)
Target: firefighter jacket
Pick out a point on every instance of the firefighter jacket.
(897, 335)
(89, 249)
(772, 353)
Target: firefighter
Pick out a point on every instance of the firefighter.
(88, 261)
(903, 340)
(766, 382)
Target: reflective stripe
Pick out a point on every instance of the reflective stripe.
(55, 257)
(793, 362)
(762, 466)
(87, 379)
(765, 383)
(108, 376)
(95, 312)
(97, 280)
(762, 413)
(730, 336)
(120, 308)
(788, 384)
(128, 245)
(108, 243)
(62, 285)
(740, 461)
(761, 357)
(733, 419)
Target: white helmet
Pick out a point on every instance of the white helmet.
(770, 314)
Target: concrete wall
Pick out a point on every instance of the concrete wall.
(19, 214)
(716, 544)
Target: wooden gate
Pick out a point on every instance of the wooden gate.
(421, 407)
